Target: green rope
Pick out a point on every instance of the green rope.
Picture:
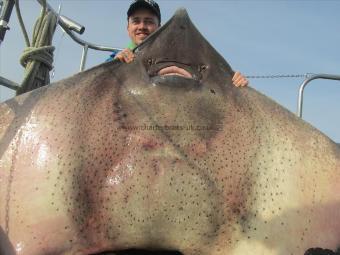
(37, 58)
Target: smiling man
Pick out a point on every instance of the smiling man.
(144, 18)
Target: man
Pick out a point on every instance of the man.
(144, 17)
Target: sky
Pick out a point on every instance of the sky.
(258, 37)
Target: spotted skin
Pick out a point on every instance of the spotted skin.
(119, 158)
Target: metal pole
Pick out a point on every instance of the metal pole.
(64, 21)
(9, 84)
(6, 10)
(304, 84)
(84, 57)
(67, 24)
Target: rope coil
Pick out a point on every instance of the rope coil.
(42, 54)
(37, 58)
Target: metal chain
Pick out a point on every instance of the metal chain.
(279, 76)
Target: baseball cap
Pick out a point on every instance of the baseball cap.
(148, 4)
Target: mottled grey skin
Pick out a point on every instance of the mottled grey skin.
(117, 158)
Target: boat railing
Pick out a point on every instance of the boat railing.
(306, 82)
(70, 27)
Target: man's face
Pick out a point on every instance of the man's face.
(141, 24)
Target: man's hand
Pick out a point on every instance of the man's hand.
(239, 80)
(125, 56)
